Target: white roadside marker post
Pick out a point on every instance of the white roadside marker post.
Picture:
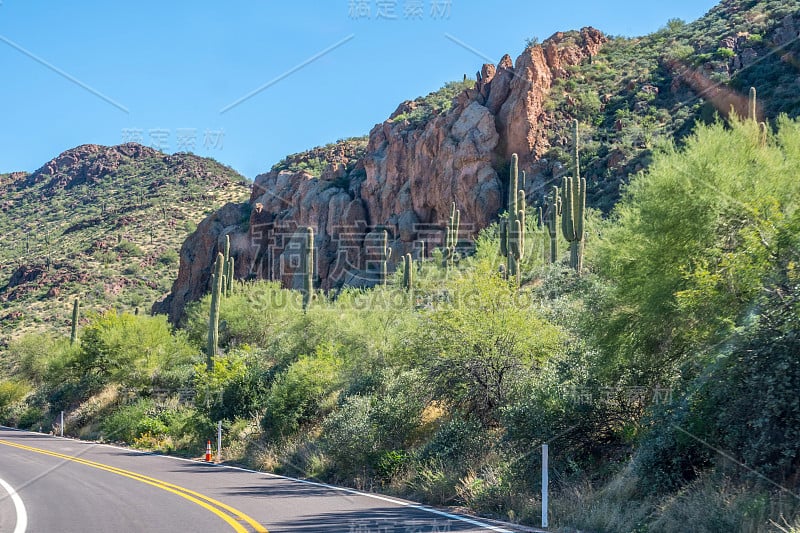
(61, 427)
(219, 441)
(544, 485)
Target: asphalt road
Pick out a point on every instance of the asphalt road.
(73, 486)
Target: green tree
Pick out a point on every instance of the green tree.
(689, 245)
(130, 350)
(477, 348)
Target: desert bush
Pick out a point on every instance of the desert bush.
(11, 392)
(477, 348)
(129, 350)
(169, 258)
(301, 394)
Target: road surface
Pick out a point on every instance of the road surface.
(67, 486)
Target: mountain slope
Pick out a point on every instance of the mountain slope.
(102, 224)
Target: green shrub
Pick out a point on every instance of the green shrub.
(165, 425)
(459, 442)
(370, 435)
(479, 347)
(238, 387)
(129, 421)
(11, 392)
(688, 249)
(169, 258)
(350, 439)
(724, 53)
(38, 357)
(129, 249)
(391, 463)
(105, 256)
(32, 418)
(301, 393)
(746, 402)
(129, 350)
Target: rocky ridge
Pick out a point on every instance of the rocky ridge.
(101, 223)
(404, 182)
(629, 94)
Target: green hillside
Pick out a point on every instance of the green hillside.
(103, 224)
(641, 92)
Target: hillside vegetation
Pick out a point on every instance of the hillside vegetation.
(640, 92)
(103, 224)
(664, 378)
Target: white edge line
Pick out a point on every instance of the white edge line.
(22, 516)
(410, 505)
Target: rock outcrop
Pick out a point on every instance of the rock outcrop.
(404, 181)
(86, 164)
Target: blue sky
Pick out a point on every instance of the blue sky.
(168, 73)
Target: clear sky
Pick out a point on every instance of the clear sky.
(249, 82)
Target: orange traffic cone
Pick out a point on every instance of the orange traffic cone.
(208, 452)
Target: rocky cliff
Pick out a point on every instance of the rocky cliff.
(629, 94)
(404, 180)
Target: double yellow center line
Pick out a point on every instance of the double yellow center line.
(233, 517)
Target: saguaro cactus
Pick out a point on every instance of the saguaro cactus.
(551, 219)
(573, 207)
(512, 231)
(421, 254)
(307, 265)
(451, 236)
(229, 277)
(213, 319)
(227, 267)
(408, 273)
(73, 337)
(386, 254)
(573, 200)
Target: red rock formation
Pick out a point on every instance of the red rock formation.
(405, 182)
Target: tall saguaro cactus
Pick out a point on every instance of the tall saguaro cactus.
(229, 276)
(307, 264)
(512, 230)
(752, 105)
(551, 219)
(213, 319)
(573, 207)
(73, 337)
(386, 254)
(408, 273)
(573, 200)
(227, 268)
(451, 236)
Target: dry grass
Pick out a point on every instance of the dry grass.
(712, 504)
(613, 507)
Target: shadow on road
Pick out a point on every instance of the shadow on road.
(376, 519)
